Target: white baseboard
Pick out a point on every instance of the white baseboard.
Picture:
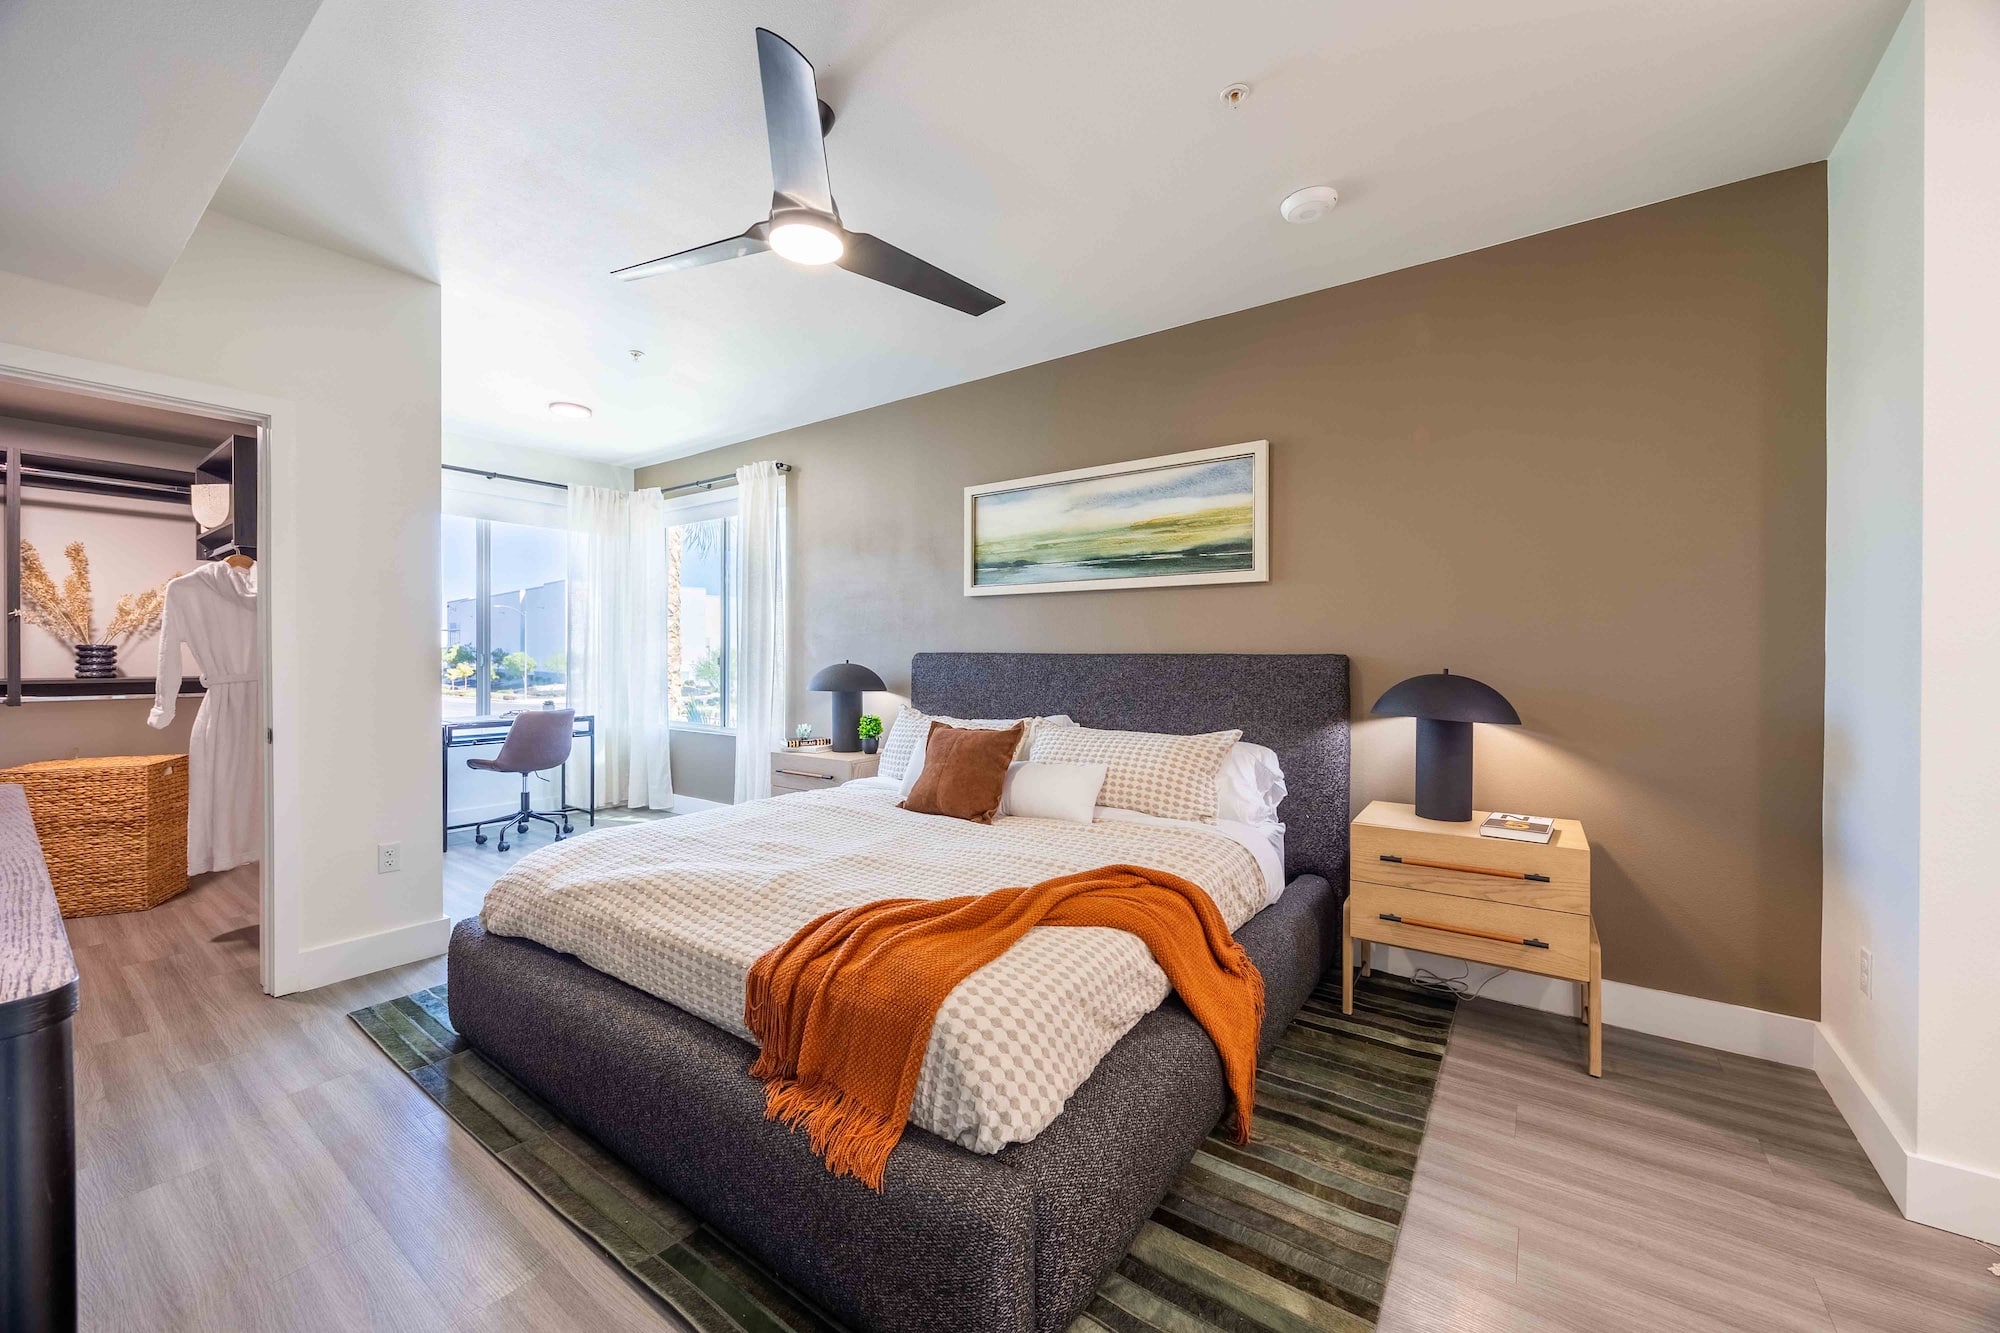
(346, 959)
(1881, 1132)
(687, 805)
(1946, 1195)
(1782, 1038)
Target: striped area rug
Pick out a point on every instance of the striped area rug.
(1289, 1233)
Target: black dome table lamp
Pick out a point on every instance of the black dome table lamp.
(845, 682)
(1445, 707)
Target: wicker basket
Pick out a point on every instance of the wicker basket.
(114, 831)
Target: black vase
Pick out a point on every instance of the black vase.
(868, 744)
(96, 661)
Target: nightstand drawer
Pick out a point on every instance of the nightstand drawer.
(1478, 929)
(812, 770)
(806, 765)
(1554, 876)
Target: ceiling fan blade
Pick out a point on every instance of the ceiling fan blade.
(749, 243)
(873, 257)
(791, 121)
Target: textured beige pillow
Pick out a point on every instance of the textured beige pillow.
(1172, 777)
(905, 742)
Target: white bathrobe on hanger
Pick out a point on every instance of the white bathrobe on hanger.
(214, 612)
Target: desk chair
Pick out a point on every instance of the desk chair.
(537, 740)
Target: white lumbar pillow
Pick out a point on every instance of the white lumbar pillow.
(1250, 785)
(1053, 791)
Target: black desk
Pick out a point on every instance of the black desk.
(463, 732)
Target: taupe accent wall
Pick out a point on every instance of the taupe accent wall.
(1587, 468)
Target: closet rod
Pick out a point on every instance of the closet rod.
(130, 490)
(706, 482)
(108, 468)
(505, 476)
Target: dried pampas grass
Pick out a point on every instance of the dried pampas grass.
(69, 611)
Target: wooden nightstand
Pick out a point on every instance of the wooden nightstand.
(1441, 888)
(810, 770)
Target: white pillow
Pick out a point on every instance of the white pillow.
(909, 740)
(1052, 791)
(1250, 785)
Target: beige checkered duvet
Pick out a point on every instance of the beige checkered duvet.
(682, 907)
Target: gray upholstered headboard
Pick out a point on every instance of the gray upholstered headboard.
(1296, 703)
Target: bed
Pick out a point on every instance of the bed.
(1013, 1239)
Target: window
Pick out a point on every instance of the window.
(506, 607)
(701, 551)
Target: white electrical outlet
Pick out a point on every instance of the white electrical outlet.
(388, 858)
(1867, 974)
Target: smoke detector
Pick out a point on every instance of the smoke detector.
(1310, 204)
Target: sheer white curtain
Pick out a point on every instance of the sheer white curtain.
(618, 639)
(758, 654)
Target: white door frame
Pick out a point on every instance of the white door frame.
(273, 418)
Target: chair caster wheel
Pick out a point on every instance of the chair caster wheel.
(503, 844)
(480, 839)
(568, 827)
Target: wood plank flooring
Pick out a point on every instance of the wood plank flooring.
(251, 1163)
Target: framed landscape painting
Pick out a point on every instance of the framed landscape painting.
(1172, 521)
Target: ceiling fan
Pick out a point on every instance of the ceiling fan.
(804, 225)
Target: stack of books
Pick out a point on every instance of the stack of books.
(1519, 828)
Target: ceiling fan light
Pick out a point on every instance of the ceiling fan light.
(806, 242)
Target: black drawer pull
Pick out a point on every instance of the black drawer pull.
(1462, 930)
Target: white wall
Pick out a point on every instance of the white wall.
(1874, 568)
(1913, 617)
(1958, 1058)
(520, 461)
(348, 355)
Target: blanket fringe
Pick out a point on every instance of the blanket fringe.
(853, 1139)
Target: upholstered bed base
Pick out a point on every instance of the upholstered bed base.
(956, 1241)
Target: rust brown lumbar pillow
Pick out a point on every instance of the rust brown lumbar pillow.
(965, 771)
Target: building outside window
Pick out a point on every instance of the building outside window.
(503, 634)
(701, 553)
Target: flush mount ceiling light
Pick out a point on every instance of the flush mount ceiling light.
(569, 411)
(806, 239)
(1310, 204)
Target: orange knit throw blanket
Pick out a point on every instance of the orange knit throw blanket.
(844, 1009)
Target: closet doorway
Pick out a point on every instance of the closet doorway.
(132, 565)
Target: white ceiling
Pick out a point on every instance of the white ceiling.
(1074, 159)
(117, 122)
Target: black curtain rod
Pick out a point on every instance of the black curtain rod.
(707, 482)
(704, 484)
(505, 476)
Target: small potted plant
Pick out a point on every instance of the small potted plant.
(870, 728)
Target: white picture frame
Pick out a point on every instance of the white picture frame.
(981, 582)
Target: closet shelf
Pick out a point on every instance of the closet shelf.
(118, 687)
